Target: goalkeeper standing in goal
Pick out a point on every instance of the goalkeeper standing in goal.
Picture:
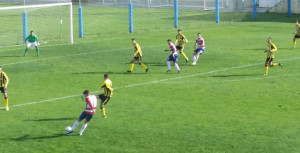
(32, 39)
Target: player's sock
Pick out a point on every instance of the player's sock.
(103, 112)
(197, 57)
(75, 125)
(6, 103)
(294, 44)
(275, 64)
(26, 50)
(144, 66)
(37, 51)
(131, 66)
(169, 65)
(266, 69)
(83, 128)
(194, 59)
(184, 55)
(177, 67)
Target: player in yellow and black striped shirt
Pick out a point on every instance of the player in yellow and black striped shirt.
(137, 56)
(180, 42)
(108, 92)
(297, 34)
(3, 86)
(270, 56)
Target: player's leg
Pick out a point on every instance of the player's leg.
(170, 58)
(131, 64)
(37, 48)
(81, 117)
(88, 118)
(183, 54)
(276, 64)
(267, 65)
(143, 65)
(27, 47)
(6, 100)
(175, 64)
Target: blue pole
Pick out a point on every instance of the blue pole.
(24, 25)
(254, 9)
(130, 17)
(80, 22)
(176, 13)
(217, 12)
(289, 8)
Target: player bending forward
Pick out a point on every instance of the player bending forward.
(173, 57)
(137, 56)
(32, 39)
(88, 113)
(297, 34)
(200, 48)
(108, 92)
(270, 56)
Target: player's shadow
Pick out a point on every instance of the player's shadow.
(28, 137)
(52, 119)
(79, 73)
(9, 56)
(234, 75)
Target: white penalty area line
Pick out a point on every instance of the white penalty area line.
(151, 82)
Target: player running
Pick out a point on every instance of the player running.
(270, 56)
(173, 57)
(3, 86)
(32, 39)
(137, 56)
(200, 48)
(180, 42)
(88, 113)
(108, 92)
(297, 34)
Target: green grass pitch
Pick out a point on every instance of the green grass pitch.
(224, 104)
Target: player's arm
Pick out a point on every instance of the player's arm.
(37, 40)
(184, 39)
(196, 44)
(26, 39)
(274, 48)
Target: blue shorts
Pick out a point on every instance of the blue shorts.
(201, 50)
(86, 116)
(171, 58)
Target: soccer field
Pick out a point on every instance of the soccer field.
(224, 104)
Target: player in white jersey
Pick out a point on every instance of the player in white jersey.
(88, 113)
(200, 48)
(173, 57)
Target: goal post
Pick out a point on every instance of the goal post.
(46, 19)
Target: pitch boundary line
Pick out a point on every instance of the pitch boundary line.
(151, 82)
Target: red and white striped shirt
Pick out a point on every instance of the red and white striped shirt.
(200, 43)
(173, 48)
(91, 104)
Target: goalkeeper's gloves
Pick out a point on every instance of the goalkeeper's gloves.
(38, 43)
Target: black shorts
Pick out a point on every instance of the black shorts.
(269, 60)
(139, 59)
(2, 90)
(296, 36)
(179, 48)
(104, 99)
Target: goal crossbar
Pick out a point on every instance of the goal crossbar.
(34, 6)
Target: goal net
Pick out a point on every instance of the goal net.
(52, 23)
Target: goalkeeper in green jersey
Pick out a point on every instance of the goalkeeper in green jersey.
(32, 39)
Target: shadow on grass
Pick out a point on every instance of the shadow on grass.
(10, 56)
(28, 137)
(53, 119)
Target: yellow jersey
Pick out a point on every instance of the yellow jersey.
(107, 86)
(271, 49)
(180, 40)
(298, 30)
(137, 50)
(3, 79)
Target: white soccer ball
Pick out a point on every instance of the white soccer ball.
(68, 129)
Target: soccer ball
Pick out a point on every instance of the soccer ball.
(68, 129)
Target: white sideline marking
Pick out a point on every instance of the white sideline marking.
(151, 82)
